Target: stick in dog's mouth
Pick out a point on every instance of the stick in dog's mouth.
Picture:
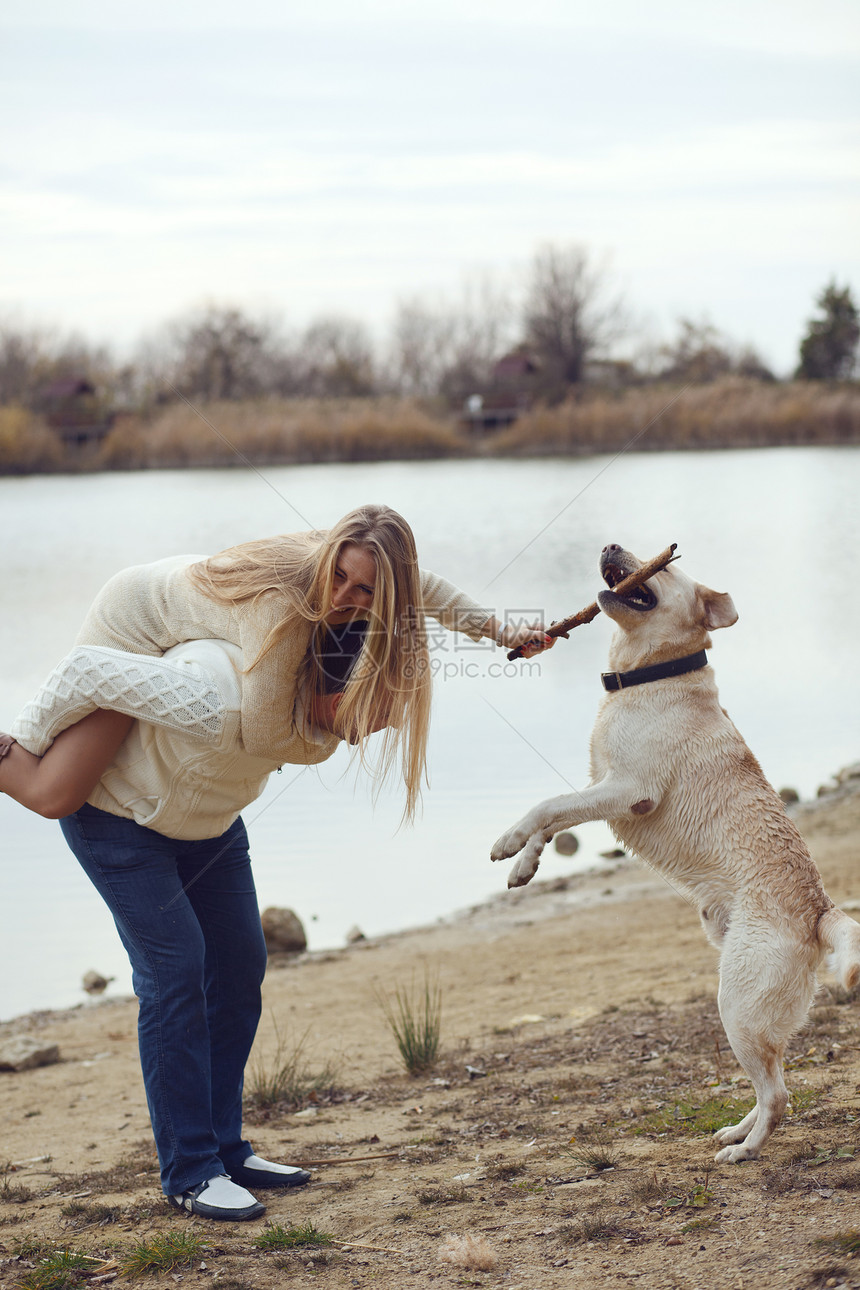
(633, 579)
(639, 597)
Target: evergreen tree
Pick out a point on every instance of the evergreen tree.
(828, 351)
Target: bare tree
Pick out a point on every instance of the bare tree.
(700, 353)
(217, 352)
(450, 348)
(33, 358)
(335, 359)
(420, 348)
(568, 318)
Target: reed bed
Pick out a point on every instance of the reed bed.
(27, 445)
(731, 413)
(271, 431)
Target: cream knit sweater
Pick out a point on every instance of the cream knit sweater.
(149, 608)
(177, 785)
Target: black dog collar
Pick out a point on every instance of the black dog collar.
(657, 672)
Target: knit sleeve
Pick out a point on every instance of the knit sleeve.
(452, 607)
(149, 608)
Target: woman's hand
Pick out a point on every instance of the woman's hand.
(531, 638)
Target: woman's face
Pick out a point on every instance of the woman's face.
(354, 583)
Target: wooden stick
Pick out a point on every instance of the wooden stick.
(626, 584)
(347, 1160)
(360, 1245)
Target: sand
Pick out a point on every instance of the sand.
(585, 1008)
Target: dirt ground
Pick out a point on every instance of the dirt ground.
(562, 1140)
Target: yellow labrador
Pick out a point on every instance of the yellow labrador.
(677, 784)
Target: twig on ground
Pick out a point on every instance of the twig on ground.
(360, 1245)
(346, 1160)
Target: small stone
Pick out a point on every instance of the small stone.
(94, 983)
(283, 931)
(566, 844)
(355, 935)
(24, 1052)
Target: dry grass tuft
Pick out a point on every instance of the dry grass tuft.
(287, 1081)
(470, 1252)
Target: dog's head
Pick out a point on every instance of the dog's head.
(667, 617)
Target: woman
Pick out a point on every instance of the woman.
(296, 642)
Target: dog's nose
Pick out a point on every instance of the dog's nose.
(611, 549)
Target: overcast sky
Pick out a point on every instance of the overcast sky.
(340, 156)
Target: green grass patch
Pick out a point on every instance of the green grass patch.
(163, 1253)
(715, 1113)
(58, 1270)
(686, 1117)
(415, 1019)
(700, 1224)
(277, 1237)
(287, 1080)
(841, 1242)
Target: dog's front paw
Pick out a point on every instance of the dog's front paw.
(527, 864)
(735, 1155)
(731, 1133)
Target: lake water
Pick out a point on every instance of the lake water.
(777, 528)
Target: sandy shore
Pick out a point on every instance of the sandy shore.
(588, 1002)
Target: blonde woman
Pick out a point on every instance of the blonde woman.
(192, 680)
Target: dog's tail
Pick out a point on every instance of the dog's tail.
(839, 935)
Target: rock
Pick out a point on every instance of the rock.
(283, 931)
(566, 844)
(355, 935)
(789, 795)
(94, 983)
(24, 1052)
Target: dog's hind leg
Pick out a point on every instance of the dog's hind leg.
(765, 993)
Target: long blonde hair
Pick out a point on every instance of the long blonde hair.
(392, 671)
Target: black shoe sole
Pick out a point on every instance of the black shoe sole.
(256, 1179)
(193, 1206)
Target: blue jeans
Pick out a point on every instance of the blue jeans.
(187, 914)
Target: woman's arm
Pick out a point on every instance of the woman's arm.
(459, 613)
(61, 781)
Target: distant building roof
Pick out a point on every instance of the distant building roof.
(518, 365)
(67, 387)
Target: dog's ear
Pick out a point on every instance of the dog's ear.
(719, 609)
